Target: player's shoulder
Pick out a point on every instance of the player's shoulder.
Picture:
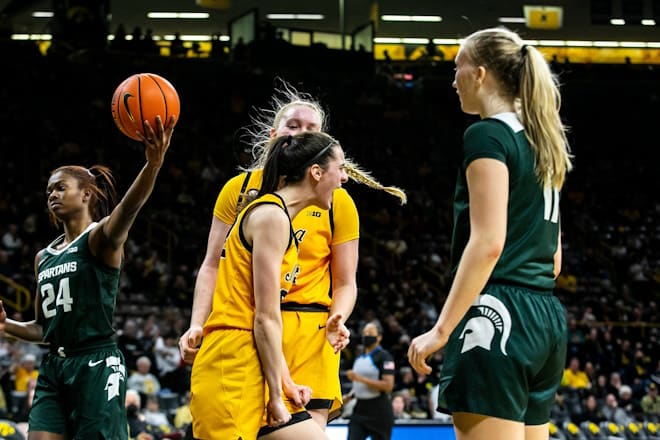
(341, 196)
(239, 180)
(491, 128)
(236, 180)
(265, 212)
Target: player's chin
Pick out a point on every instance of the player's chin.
(57, 212)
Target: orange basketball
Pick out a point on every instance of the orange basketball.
(142, 97)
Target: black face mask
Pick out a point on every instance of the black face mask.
(131, 410)
(368, 341)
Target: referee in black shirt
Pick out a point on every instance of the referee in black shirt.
(373, 379)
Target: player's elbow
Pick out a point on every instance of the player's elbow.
(491, 248)
(266, 319)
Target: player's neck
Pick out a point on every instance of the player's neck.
(74, 227)
(496, 105)
(295, 200)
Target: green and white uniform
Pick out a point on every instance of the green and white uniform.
(82, 381)
(506, 357)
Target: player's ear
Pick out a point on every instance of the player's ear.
(316, 171)
(481, 74)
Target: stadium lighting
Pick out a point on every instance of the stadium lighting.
(512, 20)
(185, 15)
(416, 18)
(295, 16)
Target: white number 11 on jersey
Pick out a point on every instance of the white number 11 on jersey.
(551, 208)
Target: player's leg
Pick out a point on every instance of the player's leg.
(312, 362)
(306, 429)
(544, 385)
(47, 419)
(98, 388)
(320, 416)
(42, 435)
(470, 426)
(537, 432)
(227, 387)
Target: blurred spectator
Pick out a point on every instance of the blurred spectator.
(601, 389)
(651, 404)
(11, 240)
(130, 345)
(591, 411)
(176, 46)
(613, 413)
(137, 425)
(169, 364)
(628, 402)
(560, 412)
(149, 334)
(399, 408)
(433, 404)
(25, 403)
(142, 380)
(182, 415)
(590, 371)
(615, 383)
(575, 378)
(25, 372)
(154, 416)
(119, 42)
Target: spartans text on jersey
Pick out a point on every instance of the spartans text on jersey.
(60, 269)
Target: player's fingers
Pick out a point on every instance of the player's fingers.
(412, 356)
(159, 125)
(424, 368)
(170, 123)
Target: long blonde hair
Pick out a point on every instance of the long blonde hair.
(286, 96)
(525, 75)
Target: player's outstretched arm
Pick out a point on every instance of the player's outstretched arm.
(30, 331)
(114, 228)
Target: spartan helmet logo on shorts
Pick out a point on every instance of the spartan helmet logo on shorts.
(118, 375)
(479, 331)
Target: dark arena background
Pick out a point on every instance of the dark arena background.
(387, 88)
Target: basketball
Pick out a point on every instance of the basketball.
(142, 97)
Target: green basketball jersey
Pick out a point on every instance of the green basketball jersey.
(533, 211)
(78, 294)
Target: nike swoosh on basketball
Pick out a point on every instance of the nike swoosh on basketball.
(128, 110)
(94, 364)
